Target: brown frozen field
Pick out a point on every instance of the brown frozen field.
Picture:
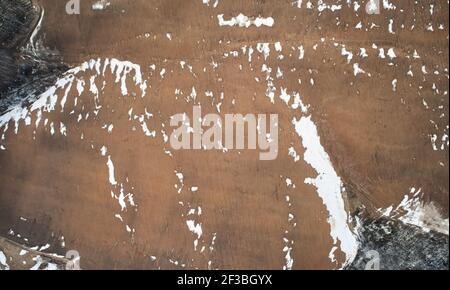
(379, 138)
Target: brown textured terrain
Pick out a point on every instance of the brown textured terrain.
(378, 139)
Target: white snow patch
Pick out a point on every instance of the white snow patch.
(3, 260)
(100, 5)
(413, 210)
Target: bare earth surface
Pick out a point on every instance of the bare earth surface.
(88, 167)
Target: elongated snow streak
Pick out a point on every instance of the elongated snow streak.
(110, 165)
(329, 188)
(288, 258)
(244, 21)
(36, 31)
